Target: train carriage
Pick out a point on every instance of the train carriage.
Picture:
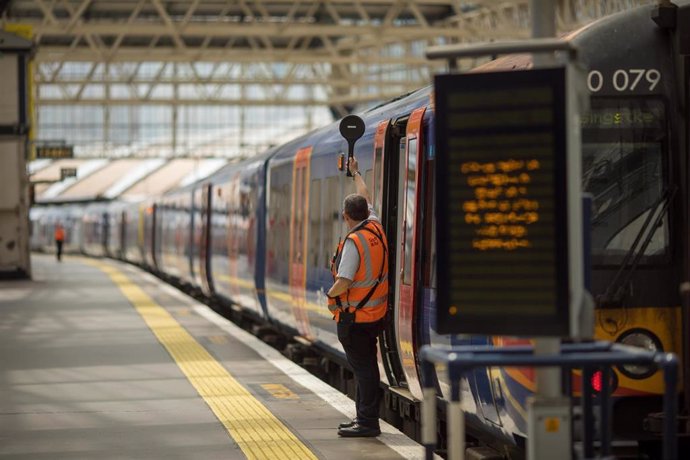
(234, 264)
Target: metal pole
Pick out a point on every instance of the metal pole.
(685, 334)
(456, 424)
(587, 418)
(544, 26)
(543, 16)
(670, 448)
(548, 378)
(428, 412)
(605, 401)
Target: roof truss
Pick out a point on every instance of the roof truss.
(272, 52)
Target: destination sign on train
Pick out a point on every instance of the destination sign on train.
(501, 188)
(649, 116)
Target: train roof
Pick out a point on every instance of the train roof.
(323, 138)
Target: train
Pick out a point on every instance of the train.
(256, 238)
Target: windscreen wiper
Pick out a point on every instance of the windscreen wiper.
(613, 296)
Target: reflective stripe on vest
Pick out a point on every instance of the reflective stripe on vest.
(372, 258)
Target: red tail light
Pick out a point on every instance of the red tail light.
(597, 381)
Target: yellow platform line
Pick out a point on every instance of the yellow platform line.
(256, 430)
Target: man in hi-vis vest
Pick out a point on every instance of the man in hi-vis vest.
(358, 300)
(59, 240)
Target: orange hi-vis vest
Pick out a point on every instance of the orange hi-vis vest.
(371, 279)
(59, 234)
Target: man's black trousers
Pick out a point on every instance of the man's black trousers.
(360, 348)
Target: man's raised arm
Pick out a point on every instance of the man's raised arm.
(359, 180)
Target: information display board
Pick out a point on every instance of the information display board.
(501, 194)
(67, 172)
(55, 152)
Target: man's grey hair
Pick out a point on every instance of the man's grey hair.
(356, 207)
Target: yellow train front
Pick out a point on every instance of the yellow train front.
(635, 166)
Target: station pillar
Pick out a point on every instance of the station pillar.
(14, 136)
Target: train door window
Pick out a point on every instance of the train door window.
(331, 216)
(429, 251)
(314, 237)
(283, 229)
(410, 203)
(279, 221)
(348, 186)
(299, 214)
(378, 185)
(369, 180)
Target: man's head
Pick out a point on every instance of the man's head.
(355, 208)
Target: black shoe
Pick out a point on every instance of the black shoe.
(349, 424)
(359, 431)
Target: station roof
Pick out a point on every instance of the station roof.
(128, 179)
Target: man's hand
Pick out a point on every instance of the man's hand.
(353, 166)
(340, 286)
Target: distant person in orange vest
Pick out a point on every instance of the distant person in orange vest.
(59, 240)
(358, 300)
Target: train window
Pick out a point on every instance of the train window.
(378, 190)
(314, 237)
(279, 222)
(429, 250)
(624, 155)
(410, 203)
(298, 210)
(349, 187)
(368, 179)
(331, 216)
(241, 217)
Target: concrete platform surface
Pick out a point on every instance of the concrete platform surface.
(100, 360)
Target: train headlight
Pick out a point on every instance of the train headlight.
(640, 338)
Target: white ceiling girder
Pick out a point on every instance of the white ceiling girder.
(338, 40)
(245, 56)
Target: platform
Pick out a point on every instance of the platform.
(100, 360)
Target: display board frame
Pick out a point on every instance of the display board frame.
(483, 315)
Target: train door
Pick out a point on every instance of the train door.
(123, 235)
(389, 364)
(407, 238)
(195, 237)
(233, 235)
(299, 223)
(150, 236)
(105, 234)
(141, 232)
(205, 240)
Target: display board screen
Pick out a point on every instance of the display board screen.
(55, 152)
(502, 203)
(67, 172)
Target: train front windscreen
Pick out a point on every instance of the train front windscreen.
(623, 145)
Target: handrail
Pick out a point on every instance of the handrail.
(461, 359)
